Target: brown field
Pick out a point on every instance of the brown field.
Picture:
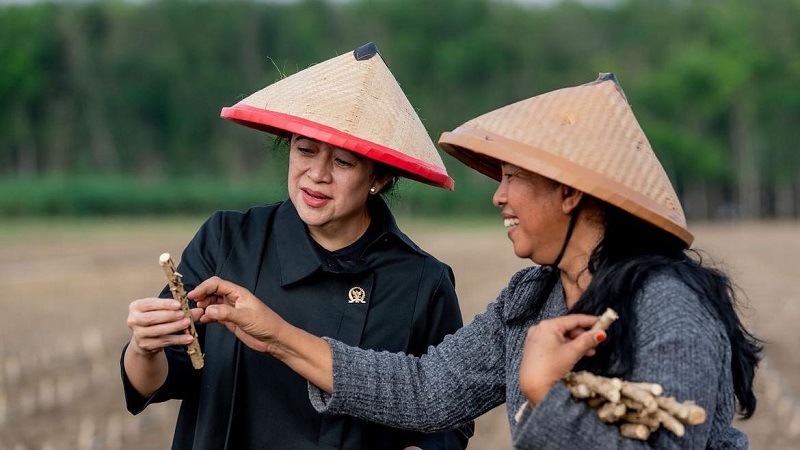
(66, 287)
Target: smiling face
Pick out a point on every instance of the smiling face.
(532, 211)
(329, 186)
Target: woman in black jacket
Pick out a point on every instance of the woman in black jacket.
(331, 259)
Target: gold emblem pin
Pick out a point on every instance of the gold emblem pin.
(356, 295)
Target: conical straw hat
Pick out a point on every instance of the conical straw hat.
(585, 137)
(352, 102)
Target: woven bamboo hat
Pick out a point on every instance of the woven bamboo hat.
(352, 102)
(585, 137)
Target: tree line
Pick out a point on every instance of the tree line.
(121, 90)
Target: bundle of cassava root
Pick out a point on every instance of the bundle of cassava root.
(638, 409)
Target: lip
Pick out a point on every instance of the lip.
(314, 198)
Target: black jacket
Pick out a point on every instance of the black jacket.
(244, 399)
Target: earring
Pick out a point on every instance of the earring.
(372, 190)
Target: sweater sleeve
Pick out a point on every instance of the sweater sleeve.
(443, 318)
(680, 347)
(454, 382)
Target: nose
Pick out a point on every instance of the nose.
(500, 198)
(319, 169)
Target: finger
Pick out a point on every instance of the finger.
(571, 322)
(152, 318)
(158, 331)
(588, 341)
(206, 319)
(154, 304)
(222, 313)
(197, 313)
(159, 343)
(152, 344)
(214, 286)
(206, 301)
(575, 332)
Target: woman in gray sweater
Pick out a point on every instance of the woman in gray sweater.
(584, 197)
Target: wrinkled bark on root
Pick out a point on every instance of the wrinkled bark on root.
(179, 294)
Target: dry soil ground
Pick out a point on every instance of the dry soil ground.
(66, 287)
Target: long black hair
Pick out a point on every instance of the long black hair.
(632, 250)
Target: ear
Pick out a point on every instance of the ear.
(570, 199)
(380, 182)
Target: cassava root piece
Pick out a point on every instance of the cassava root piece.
(687, 412)
(652, 388)
(179, 294)
(634, 431)
(669, 422)
(642, 419)
(610, 412)
(605, 320)
(607, 387)
(639, 395)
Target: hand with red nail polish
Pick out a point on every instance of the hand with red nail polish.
(600, 336)
(552, 348)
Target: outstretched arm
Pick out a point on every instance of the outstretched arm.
(454, 382)
(261, 329)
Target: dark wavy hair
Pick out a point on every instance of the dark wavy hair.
(629, 253)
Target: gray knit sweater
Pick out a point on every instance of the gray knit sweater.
(679, 345)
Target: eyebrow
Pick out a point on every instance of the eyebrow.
(298, 137)
(358, 156)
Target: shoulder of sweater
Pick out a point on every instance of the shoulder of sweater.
(667, 293)
(666, 303)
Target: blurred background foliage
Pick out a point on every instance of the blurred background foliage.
(113, 107)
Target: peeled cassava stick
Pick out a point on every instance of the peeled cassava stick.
(687, 412)
(607, 387)
(179, 294)
(634, 431)
(605, 320)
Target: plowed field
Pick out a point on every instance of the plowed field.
(66, 288)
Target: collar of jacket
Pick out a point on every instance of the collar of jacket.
(296, 253)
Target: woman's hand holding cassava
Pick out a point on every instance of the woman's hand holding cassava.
(552, 348)
(155, 323)
(240, 311)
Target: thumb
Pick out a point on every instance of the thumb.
(222, 313)
(588, 341)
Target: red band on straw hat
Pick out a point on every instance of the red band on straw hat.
(274, 122)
